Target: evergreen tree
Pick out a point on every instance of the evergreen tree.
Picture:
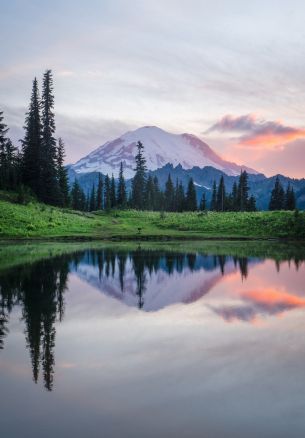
(290, 202)
(107, 194)
(13, 165)
(129, 199)
(31, 144)
(138, 182)
(158, 196)
(252, 203)
(202, 205)
(243, 192)
(221, 195)
(191, 199)
(9, 161)
(277, 199)
(121, 190)
(50, 193)
(62, 174)
(149, 194)
(3, 132)
(234, 197)
(87, 201)
(112, 192)
(92, 203)
(99, 193)
(213, 205)
(3, 159)
(180, 197)
(169, 195)
(78, 198)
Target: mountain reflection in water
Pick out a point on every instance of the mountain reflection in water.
(147, 280)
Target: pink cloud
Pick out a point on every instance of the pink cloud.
(258, 133)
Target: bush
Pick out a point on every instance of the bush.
(24, 195)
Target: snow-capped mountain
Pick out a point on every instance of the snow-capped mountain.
(160, 148)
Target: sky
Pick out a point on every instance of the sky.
(231, 72)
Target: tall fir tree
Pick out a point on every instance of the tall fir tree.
(213, 205)
(234, 197)
(3, 160)
(107, 194)
(202, 205)
(138, 182)
(99, 193)
(9, 160)
(62, 174)
(191, 198)
(277, 199)
(169, 195)
(243, 192)
(149, 194)
(32, 145)
(112, 192)
(180, 197)
(121, 189)
(78, 198)
(252, 203)
(92, 202)
(50, 192)
(158, 195)
(87, 201)
(289, 202)
(221, 195)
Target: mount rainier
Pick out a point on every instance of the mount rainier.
(160, 148)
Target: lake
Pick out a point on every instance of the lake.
(152, 340)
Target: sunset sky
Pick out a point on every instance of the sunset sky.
(231, 72)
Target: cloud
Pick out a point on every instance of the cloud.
(260, 303)
(257, 132)
(81, 134)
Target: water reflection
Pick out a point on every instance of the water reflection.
(147, 279)
(39, 289)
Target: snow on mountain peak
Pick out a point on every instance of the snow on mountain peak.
(160, 148)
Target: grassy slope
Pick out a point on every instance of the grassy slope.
(39, 221)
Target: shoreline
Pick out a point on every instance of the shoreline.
(154, 239)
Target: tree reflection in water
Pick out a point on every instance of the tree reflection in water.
(39, 289)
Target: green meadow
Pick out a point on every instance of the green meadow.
(38, 221)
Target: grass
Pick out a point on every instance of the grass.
(38, 221)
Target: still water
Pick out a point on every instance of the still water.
(137, 341)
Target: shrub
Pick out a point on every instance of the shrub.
(24, 195)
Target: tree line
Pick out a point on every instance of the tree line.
(146, 194)
(281, 199)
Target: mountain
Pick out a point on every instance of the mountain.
(160, 148)
(183, 156)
